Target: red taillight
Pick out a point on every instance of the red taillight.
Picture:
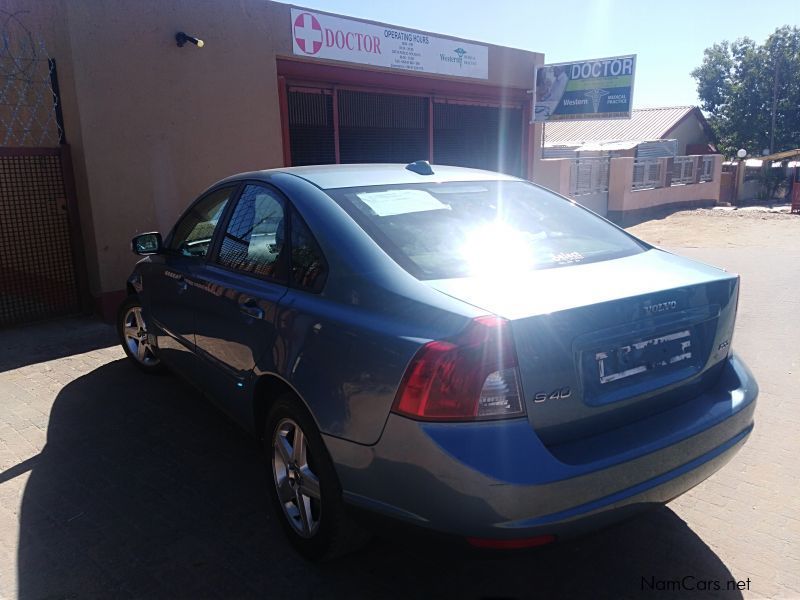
(473, 376)
(539, 540)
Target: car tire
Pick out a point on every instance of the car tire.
(139, 345)
(305, 492)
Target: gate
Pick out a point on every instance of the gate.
(41, 259)
(38, 252)
(588, 183)
(727, 187)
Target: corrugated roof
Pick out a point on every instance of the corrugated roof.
(644, 124)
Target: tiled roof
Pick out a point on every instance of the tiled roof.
(644, 124)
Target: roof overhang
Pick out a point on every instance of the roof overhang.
(782, 155)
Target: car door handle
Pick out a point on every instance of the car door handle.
(181, 285)
(250, 308)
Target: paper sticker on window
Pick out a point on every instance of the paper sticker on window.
(400, 202)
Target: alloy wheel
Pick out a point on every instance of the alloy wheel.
(138, 341)
(297, 485)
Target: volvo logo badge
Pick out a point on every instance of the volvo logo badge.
(653, 309)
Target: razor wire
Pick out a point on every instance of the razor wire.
(28, 101)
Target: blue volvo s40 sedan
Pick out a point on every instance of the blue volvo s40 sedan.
(458, 349)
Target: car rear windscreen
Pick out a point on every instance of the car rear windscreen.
(465, 229)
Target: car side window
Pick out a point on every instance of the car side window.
(308, 266)
(192, 235)
(253, 240)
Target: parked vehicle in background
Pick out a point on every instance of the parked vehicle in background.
(458, 349)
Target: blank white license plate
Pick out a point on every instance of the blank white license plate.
(643, 356)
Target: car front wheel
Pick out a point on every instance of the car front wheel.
(137, 342)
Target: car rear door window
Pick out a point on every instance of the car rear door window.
(192, 234)
(308, 268)
(254, 238)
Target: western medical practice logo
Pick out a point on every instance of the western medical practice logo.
(461, 58)
(595, 96)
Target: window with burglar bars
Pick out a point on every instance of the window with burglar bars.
(311, 127)
(379, 127)
(484, 137)
(707, 169)
(589, 176)
(646, 174)
(683, 170)
(382, 127)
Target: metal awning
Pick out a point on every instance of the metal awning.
(782, 155)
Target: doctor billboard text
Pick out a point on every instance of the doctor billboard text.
(587, 89)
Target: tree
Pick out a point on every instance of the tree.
(742, 84)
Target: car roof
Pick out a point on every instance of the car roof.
(358, 175)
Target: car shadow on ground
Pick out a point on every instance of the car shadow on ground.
(145, 490)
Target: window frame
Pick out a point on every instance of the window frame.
(232, 199)
(216, 243)
(290, 213)
(295, 213)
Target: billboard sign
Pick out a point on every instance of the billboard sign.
(317, 35)
(587, 89)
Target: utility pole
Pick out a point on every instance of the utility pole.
(774, 109)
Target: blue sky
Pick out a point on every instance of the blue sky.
(667, 37)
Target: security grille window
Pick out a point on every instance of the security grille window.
(311, 127)
(382, 128)
(683, 170)
(589, 176)
(308, 264)
(646, 174)
(254, 238)
(193, 233)
(330, 125)
(484, 137)
(707, 168)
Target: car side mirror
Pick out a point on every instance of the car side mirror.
(146, 244)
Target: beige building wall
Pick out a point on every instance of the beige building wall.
(161, 123)
(625, 203)
(554, 174)
(688, 131)
(151, 125)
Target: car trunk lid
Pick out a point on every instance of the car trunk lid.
(604, 344)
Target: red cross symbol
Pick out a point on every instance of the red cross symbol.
(308, 33)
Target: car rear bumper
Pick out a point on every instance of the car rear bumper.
(497, 480)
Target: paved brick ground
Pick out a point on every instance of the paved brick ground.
(115, 484)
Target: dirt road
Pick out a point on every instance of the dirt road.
(720, 228)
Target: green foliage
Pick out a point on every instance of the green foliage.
(772, 180)
(737, 84)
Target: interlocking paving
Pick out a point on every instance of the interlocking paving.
(115, 484)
